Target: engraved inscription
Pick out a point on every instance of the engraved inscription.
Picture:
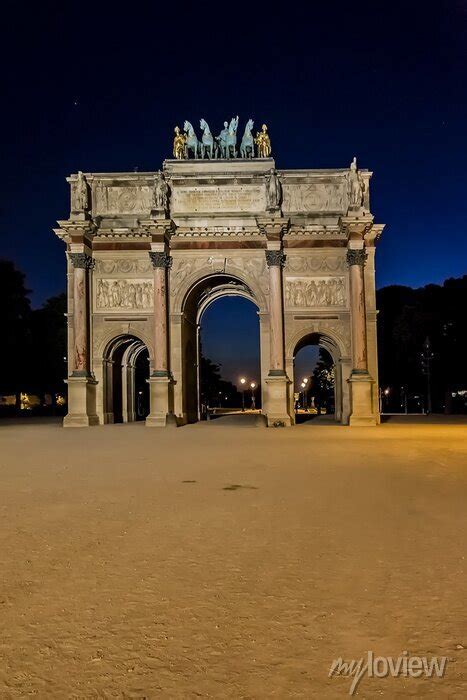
(218, 199)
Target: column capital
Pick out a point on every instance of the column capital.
(275, 258)
(273, 227)
(356, 256)
(160, 259)
(82, 261)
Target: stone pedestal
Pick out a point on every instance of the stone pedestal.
(361, 392)
(277, 414)
(81, 403)
(160, 402)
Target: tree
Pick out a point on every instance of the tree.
(15, 349)
(49, 336)
(323, 381)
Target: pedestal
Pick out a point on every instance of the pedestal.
(361, 399)
(81, 403)
(160, 403)
(277, 412)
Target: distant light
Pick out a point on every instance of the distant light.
(242, 380)
(303, 385)
(253, 385)
(386, 391)
(305, 381)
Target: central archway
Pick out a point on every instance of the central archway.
(200, 297)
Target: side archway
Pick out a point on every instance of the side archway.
(335, 347)
(125, 372)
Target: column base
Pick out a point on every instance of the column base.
(160, 416)
(81, 402)
(362, 413)
(277, 409)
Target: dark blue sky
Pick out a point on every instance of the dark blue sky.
(99, 87)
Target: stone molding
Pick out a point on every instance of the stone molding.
(356, 256)
(159, 259)
(82, 260)
(275, 258)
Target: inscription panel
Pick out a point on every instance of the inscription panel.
(211, 198)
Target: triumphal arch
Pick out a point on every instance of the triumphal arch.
(147, 252)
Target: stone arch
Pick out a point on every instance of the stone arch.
(333, 342)
(181, 292)
(123, 396)
(198, 291)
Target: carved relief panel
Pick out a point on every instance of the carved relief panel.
(315, 291)
(123, 294)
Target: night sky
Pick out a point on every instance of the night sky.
(94, 87)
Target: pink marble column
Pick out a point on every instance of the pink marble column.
(160, 262)
(81, 264)
(275, 260)
(356, 259)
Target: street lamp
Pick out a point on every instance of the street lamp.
(305, 382)
(253, 401)
(243, 382)
(303, 385)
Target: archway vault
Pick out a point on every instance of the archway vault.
(201, 294)
(120, 358)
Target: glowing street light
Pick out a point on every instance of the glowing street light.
(243, 382)
(253, 400)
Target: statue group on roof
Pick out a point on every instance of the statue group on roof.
(224, 146)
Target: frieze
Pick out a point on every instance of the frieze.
(328, 291)
(113, 200)
(313, 197)
(108, 266)
(315, 263)
(118, 294)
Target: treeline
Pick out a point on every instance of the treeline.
(33, 346)
(408, 366)
(33, 343)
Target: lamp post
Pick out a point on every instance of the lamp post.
(243, 382)
(253, 400)
(305, 402)
(303, 385)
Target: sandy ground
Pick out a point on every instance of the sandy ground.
(229, 561)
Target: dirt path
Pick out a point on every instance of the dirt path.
(226, 562)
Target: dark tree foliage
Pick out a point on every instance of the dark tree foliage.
(215, 391)
(15, 314)
(322, 384)
(49, 335)
(406, 318)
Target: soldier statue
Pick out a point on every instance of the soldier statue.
(356, 186)
(263, 142)
(81, 193)
(179, 144)
(160, 192)
(273, 190)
